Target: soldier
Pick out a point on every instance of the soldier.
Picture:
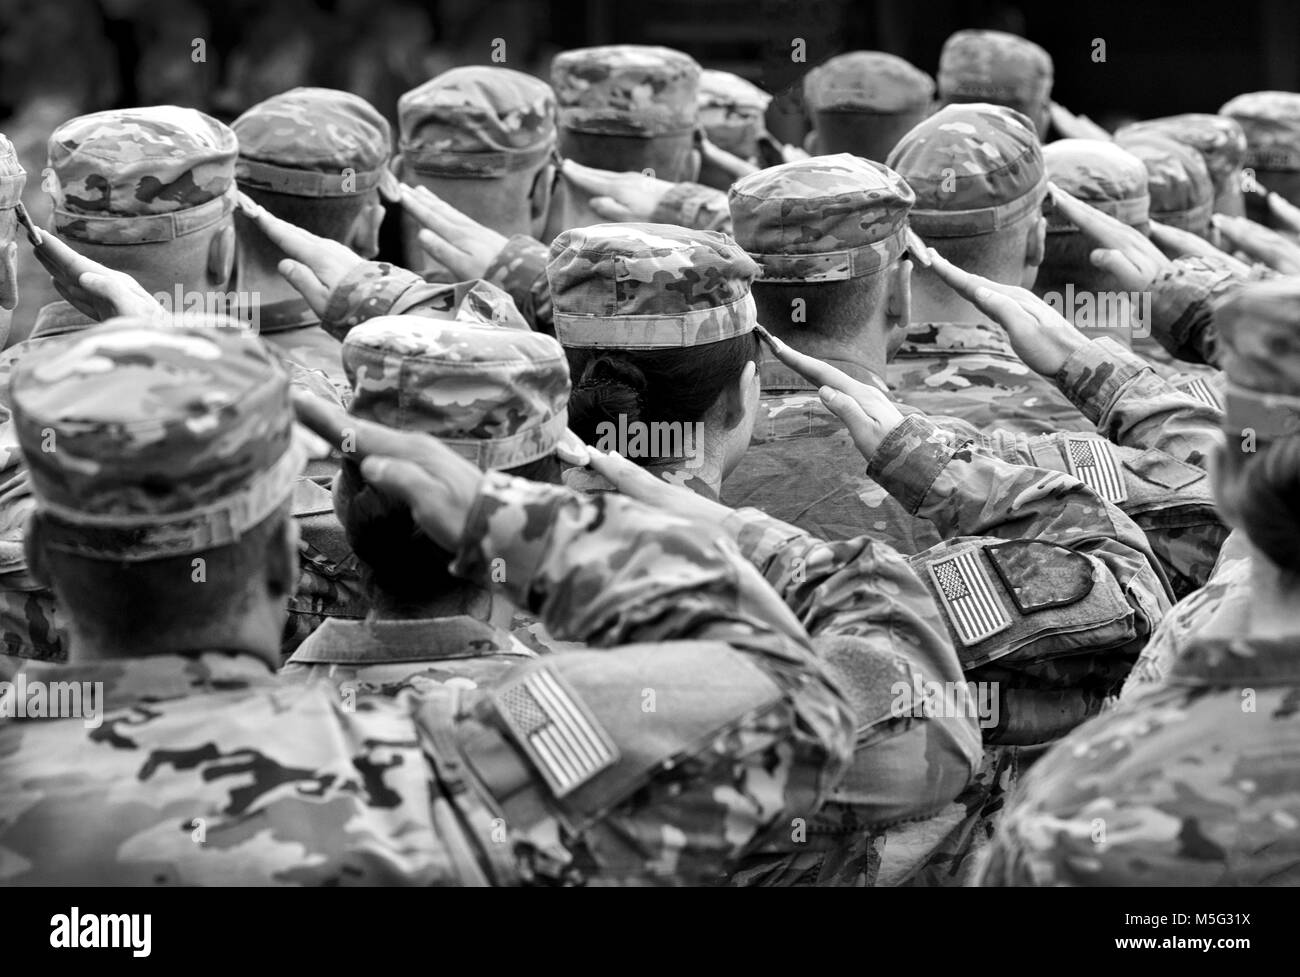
(1196, 784)
(315, 157)
(1178, 182)
(1221, 143)
(1271, 123)
(862, 102)
(12, 180)
(732, 114)
(498, 397)
(215, 772)
(1001, 68)
(483, 139)
(978, 175)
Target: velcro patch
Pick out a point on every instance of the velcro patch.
(1092, 462)
(555, 729)
(1039, 576)
(969, 595)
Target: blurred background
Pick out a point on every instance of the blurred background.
(62, 59)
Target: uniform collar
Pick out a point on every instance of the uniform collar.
(956, 338)
(375, 641)
(155, 678)
(58, 319)
(1238, 661)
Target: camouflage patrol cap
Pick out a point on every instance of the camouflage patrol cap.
(312, 142)
(975, 168)
(867, 82)
(12, 175)
(731, 110)
(649, 286)
(136, 176)
(1102, 175)
(824, 219)
(993, 66)
(1259, 332)
(626, 90)
(1182, 194)
(1219, 139)
(477, 122)
(1271, 122)
(145, 439)
(498, 397)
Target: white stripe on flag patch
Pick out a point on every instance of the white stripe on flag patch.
(968, 593)
(1202, 391)
(1092, 462)
(557, 732)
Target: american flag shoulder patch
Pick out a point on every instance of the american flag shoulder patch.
(1202, 391)
(555, 729)
(1092, 462)
(970, 597)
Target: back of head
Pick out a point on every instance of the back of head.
(1182, 194)
(731, 112)
(146, 191)
(1271, 123)
(824, 231)
(979, 178)
(657, 321)
(1257, 480)
(162, 460)
(314, 157)
(1220, 141)
(497, 396)
(478, 137)
(1000, 68)
(863, 102)
(629, 107)
(1104, 176)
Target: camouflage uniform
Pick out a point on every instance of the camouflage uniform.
(311, 143)
(13, 179)
(206, 769)
(498, 396)
(974, 169)
(732, 112)
(1193, 782)
(1220, 141)
(1271, 123)
(863, 102)
(1000, 68)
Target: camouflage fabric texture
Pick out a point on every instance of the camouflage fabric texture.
(755, 728)
(1102, 175)
(312, 142)
(648, 286)
(496, 396)
(993, 66)
(1178, 181)
(732, 112)
(626, 89)
(828, 218)
(871, 82)
(1219, 139)
(1186, 786)
(975, 168)
(476, 122)
(1271, 123)
(203, 411)
(132, 176)
(12, 175)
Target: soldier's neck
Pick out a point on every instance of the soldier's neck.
(268, 285)
(1272, 600)
(863, 356)
(933, 301)
(86, 648)
(462, 602)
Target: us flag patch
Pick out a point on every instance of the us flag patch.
(560, 735)
(1091, 462)
(968, 592)
(1202, 391)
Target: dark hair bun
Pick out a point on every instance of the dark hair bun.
(610, 387)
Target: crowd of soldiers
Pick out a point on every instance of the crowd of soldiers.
(918, 506)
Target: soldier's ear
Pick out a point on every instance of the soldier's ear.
(898, 297)
(9, 276)
(739, 396)
(363, 238)
(697, 161)
(539, 198)
(1036, 243)
(221, 255)
(34, 551)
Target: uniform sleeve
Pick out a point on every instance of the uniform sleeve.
(520, 271)
(1132, 405)
(1182, 301)
(695, 206)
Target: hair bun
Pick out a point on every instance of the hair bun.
(610, 387)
